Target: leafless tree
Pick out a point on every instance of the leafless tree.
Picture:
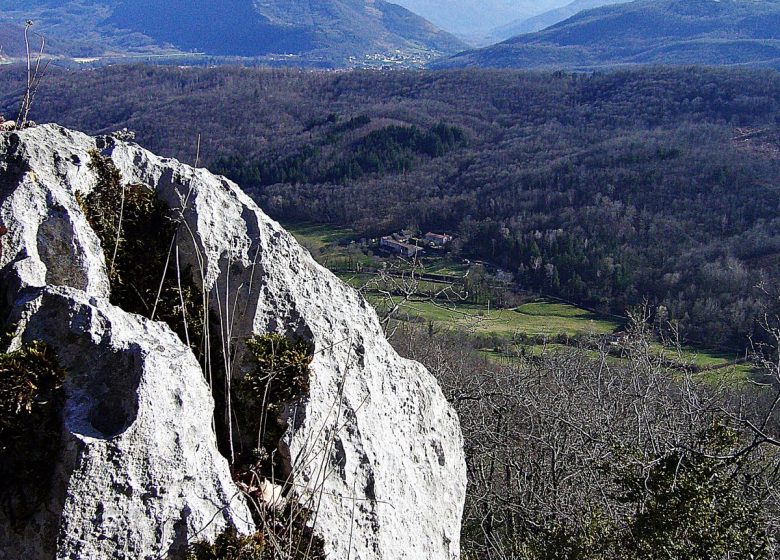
(553, 440)
(36, 70)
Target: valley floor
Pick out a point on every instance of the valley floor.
(537, 327)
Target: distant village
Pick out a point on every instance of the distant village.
(406, 245)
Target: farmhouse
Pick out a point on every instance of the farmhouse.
(438, 239)
(400, 248)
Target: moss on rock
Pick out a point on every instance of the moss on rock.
(31, 400)
(278, 377)
(137, 235)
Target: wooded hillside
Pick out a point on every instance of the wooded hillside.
(604, 188)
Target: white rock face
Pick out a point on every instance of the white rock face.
(49, 240)
(140, 466)
(375, 444)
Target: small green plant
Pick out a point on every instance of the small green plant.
(229, 545)
(31, 400)
(280, 375)
(281, 372)
(281, 537)
(133, 226)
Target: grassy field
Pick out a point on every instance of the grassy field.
(729, 373)
(709, 364)
(543, 318)
(550, 319)
(318, 236)
(696, 357)
(546, 317)
(330, 245)
(446, 267)
(542, 350)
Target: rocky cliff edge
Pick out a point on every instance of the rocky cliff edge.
(139, 473)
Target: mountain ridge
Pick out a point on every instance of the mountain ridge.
(548, 18)
(475, 20)
(329, 33)
(728, 32)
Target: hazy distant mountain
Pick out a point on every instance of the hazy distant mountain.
(12, 42)
(730, 32)
(325, 32)
(546, 19)
(476, 18)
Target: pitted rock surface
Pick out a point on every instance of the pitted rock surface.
(375, 441)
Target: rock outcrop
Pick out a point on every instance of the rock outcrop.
(374, 444)
(139, 472)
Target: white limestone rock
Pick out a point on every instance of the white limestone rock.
(139, 474)
(49, 241)
(375, 441)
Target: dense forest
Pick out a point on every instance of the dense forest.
(658, 184)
